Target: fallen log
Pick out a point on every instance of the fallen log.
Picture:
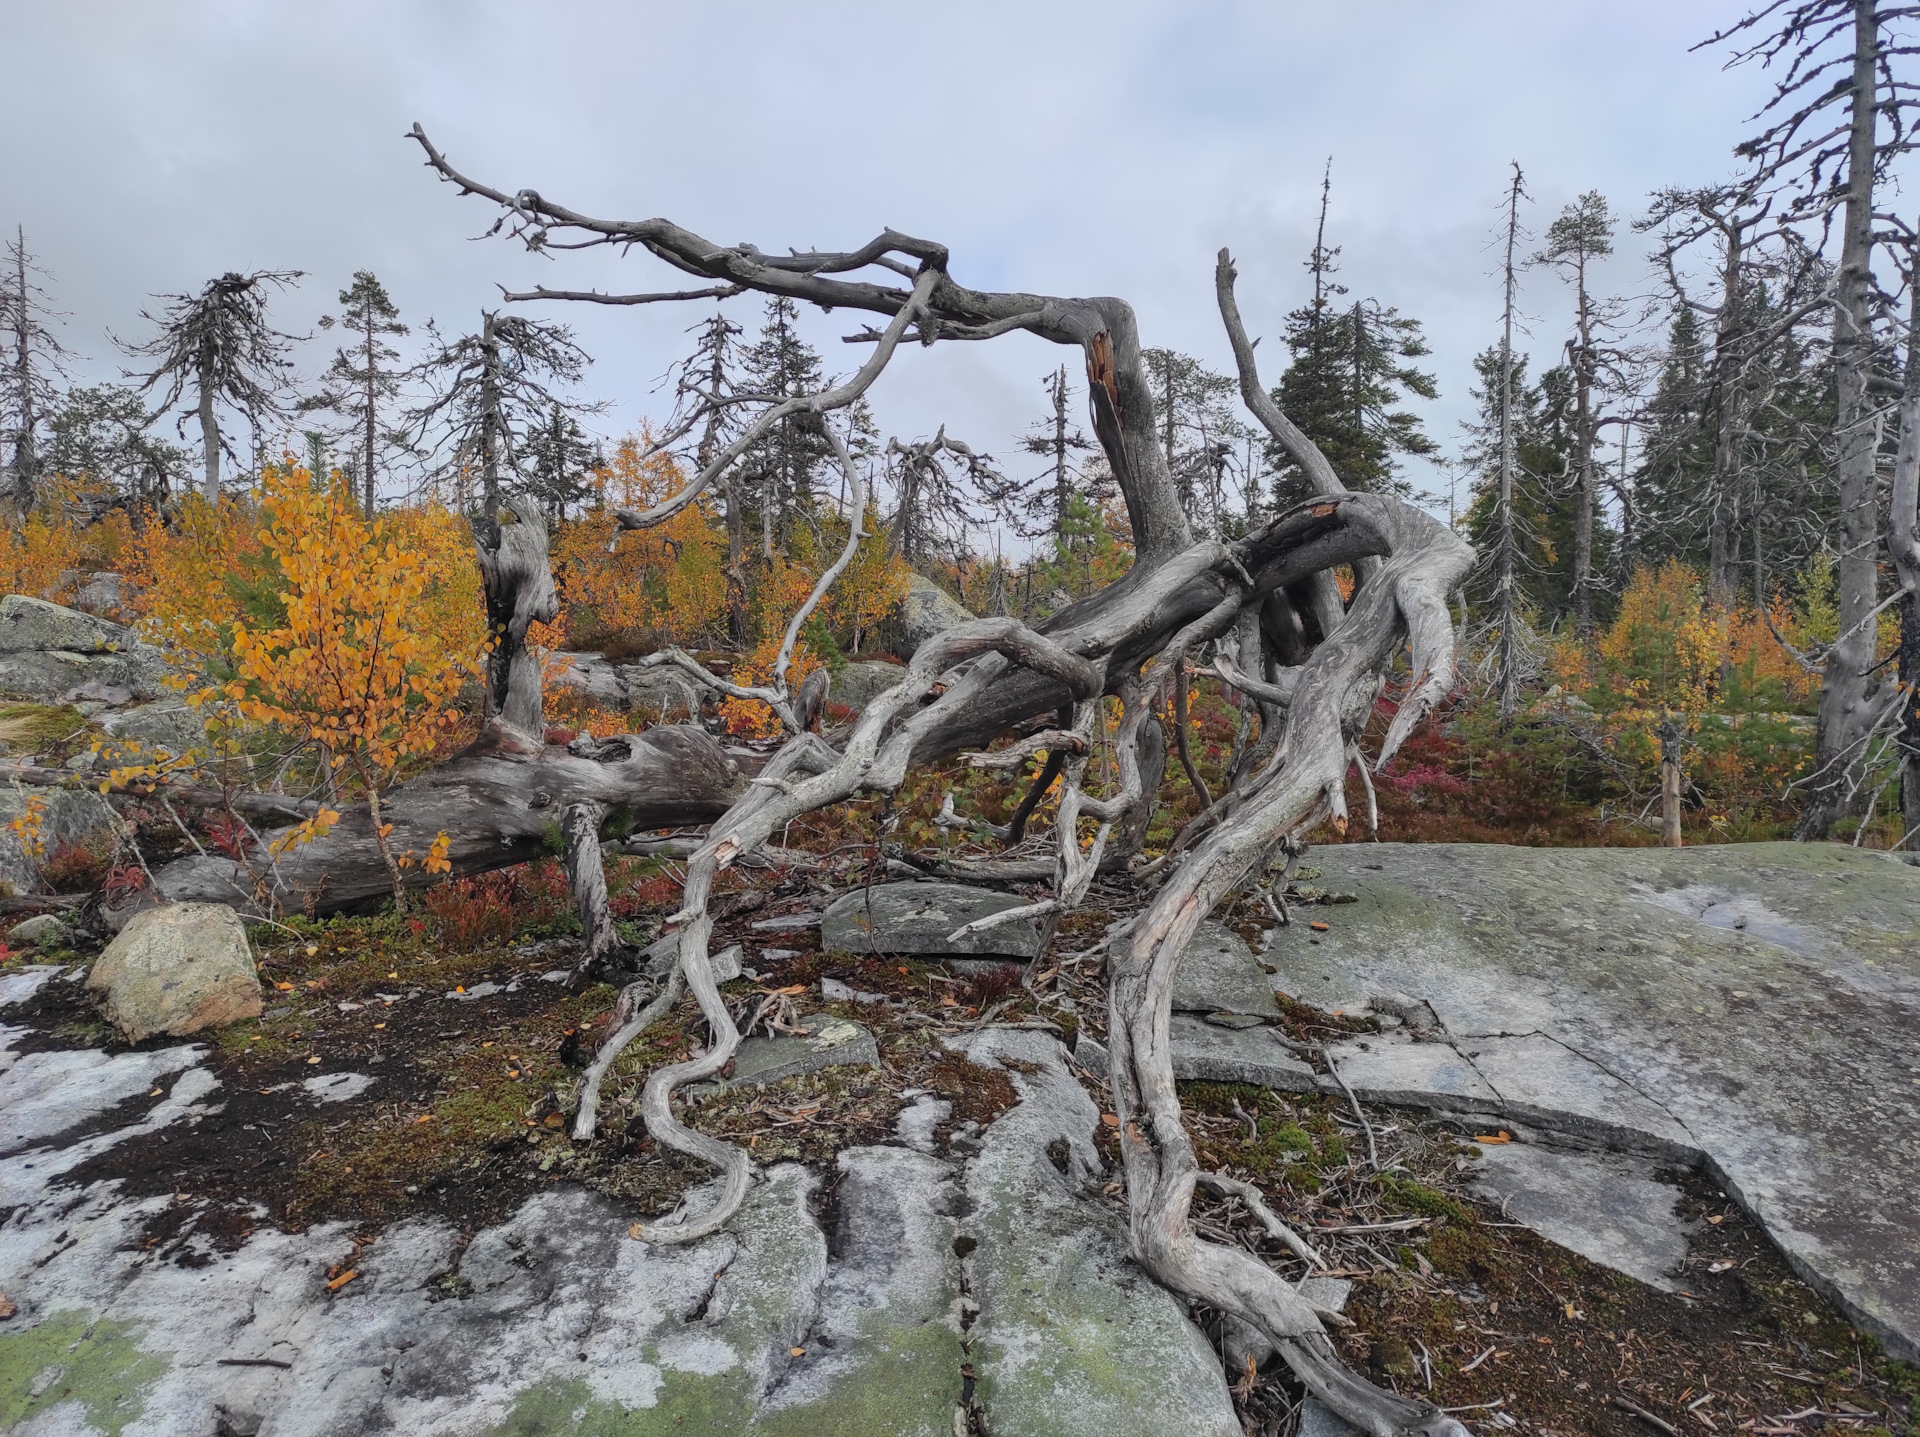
(499, 801)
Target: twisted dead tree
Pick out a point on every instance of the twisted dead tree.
(1266, 606)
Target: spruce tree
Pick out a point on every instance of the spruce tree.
(105, 432)
(363, 377)
(1201, 436)
(1040, 505)
(493, 391)
(1351, 369)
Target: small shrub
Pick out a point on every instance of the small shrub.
(473, 912)
(76, 868)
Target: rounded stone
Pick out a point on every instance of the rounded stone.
(178, 970)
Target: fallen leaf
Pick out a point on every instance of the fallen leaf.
(284, 987)
(312, 949)
(424, 1118)
(458, 989)
(796, 1352)
(1318, 927)
(789, 992)
(379, 1025)
(1503, 1136)
(394, 974)
(154, 1094)
(1112, 1120)
(7, 1309)
(513, 1072)
(1716, 1219)
(637, 1231)
(314, 1059)
(1721, 1266)
(487, 1044)
(342, 1280)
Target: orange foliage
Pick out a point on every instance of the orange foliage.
(670, 580)
(358, 666)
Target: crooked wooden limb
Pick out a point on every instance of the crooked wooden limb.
(623, 1027)
(1405, 601)
(587, 876)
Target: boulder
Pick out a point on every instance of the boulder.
(44, 931)
(77, 817)
(172, 727)
(177, 970)
(858, 684)
(918, 917)
(63, 655)
(662, 692)
(926, 610)
(30, 625)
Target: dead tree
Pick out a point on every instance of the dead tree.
(972, 683)
(219, 344)
(34, 360)
(1838, 119)
(1506, 604)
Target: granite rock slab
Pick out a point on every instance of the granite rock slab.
(1219, 974)
(1750, 1008)
(917, 918)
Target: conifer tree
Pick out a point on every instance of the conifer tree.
(1579, 237)
(1040, 505)
(494, 390)
(1201, 436)
(1351, 367)
(362, 377)
(218, 344)
(105, 432)
(560, 462)
(34, 360)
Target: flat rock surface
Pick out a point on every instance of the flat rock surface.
(1218, 974)
(1072, 1339)
(853, 1315)
(1611, 1208)
(919, 917)
(824, 1042)
(1753, 1006)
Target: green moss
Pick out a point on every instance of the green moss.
(906, 1384)
(684, 1403)
(98, 1364)
(39, 728)
(1423, 1199)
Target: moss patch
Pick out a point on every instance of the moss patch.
(68, 1358)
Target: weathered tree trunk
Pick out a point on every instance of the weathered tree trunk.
(518, 583)
(968, 685)
(25, 462)
(1672, 783)
(1846, 715)
(499, 800)
(502, 799)
(209, 430)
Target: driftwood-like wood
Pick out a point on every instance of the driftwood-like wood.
(976, 682)
(499, 801)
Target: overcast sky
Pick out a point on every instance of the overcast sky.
(1068, 148)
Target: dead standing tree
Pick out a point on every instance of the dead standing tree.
(976, 681)
(218, 344)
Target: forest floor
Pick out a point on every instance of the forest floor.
(475, 1048)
